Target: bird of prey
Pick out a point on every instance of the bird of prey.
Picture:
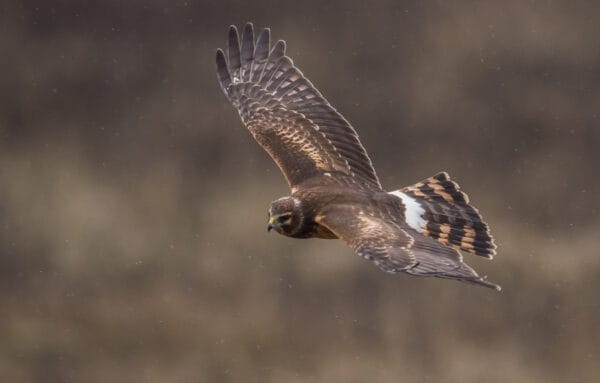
(419, 229)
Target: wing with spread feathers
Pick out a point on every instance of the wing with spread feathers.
(287, 115)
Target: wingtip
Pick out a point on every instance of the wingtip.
(267, 33)
(279, 47)
(220, 59)
(263, 44)
(248, 33)
(233, 53)
(233, 38)
(283, 44)
(249, 26)
(222, 71)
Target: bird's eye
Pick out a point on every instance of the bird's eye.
(284, 218)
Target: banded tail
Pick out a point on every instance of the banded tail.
(437, 208)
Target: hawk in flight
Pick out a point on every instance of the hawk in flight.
(419, 229)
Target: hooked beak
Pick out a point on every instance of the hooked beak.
(271, 224)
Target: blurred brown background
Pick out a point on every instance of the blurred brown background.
(133, 202)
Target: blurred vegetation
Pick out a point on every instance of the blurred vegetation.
(132, 201)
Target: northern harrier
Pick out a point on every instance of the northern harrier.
(335, 193)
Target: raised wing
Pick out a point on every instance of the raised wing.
(288, 116)
(395, 247)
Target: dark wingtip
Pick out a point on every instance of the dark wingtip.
(279, 47)
(233, 50)
(248, 35)
(261, 53)
(222, 71)
(266, 32)
(233, 38)
(263, 44)
(247, 52)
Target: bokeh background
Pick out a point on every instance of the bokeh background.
(133, 202)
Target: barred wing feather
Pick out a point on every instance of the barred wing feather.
(288, 116)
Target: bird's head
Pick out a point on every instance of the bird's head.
(285, 216)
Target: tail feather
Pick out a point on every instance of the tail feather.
(448, 217)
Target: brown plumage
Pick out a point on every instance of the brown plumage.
(335, 190)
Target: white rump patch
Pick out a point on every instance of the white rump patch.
(414, 211)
